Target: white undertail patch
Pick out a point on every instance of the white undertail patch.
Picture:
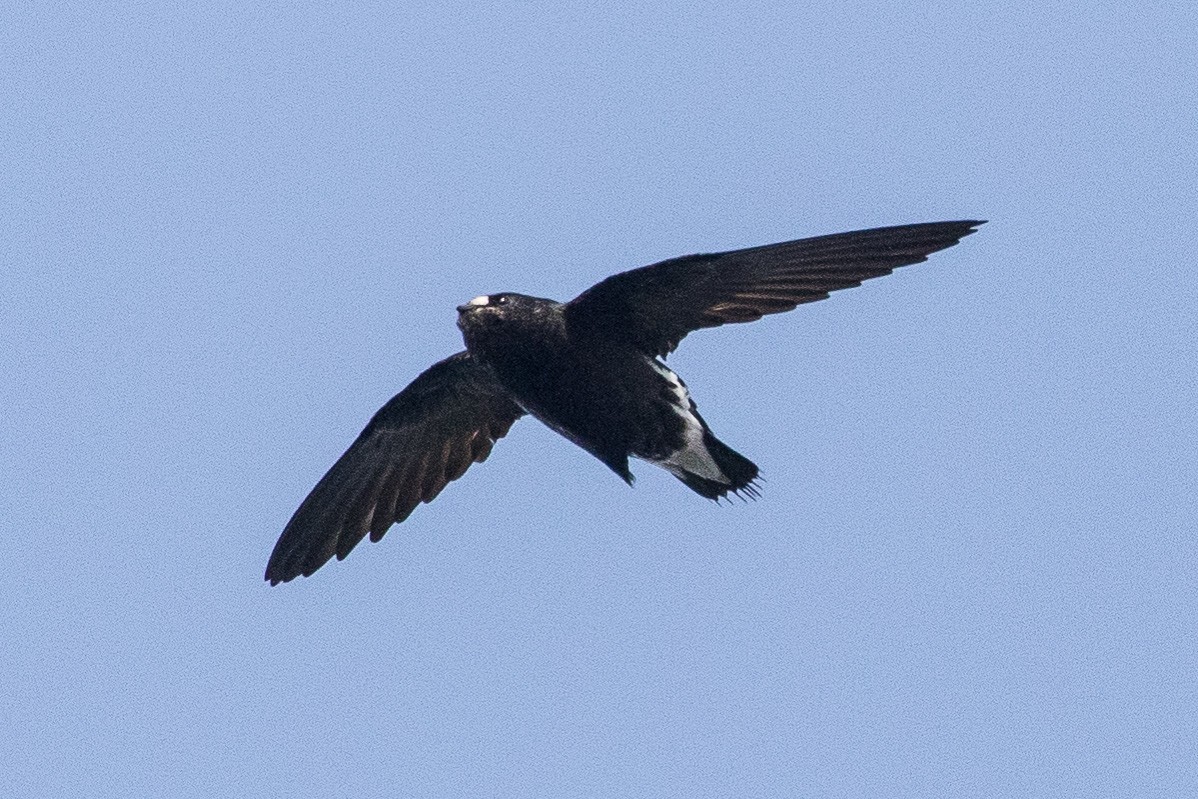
(693, 457)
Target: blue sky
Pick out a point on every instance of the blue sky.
(229, 233)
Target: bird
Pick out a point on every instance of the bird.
(592, 369)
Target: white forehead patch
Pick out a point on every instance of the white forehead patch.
(483, 300)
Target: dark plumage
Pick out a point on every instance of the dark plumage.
(589, 369)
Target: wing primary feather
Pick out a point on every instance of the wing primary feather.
(654, 307)
(416, 444)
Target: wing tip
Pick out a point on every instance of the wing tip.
(282, 570)
(276, 575)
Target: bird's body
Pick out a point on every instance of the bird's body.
(602, 394)
(590, 369)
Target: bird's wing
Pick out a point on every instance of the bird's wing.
(426, 436)
(655, 306)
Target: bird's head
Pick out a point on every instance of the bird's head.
(488, 310)
(493, 309)
(506, 315)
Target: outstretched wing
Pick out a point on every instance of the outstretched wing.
(426, 436)
(655, 306)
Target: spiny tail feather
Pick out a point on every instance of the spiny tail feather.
(740, 471)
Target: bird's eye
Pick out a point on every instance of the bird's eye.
(500, 300)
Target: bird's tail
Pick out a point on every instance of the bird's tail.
(738, 473)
